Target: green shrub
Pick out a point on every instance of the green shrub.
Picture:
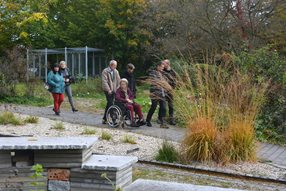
(88, 131)
(9, 118)
(37, 176)
(31, 119)
(167, 153)
(92, 88)
(26, 100)
(105, 136)
(129, 139)
(267, 64)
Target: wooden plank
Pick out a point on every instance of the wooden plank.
(265, 147)
(41, 160)
(5, 156)
(124, 178)
(5, 164)
(125, 183)
(282, 157)
(90, 181)
(124, 171)
(51, 151)
(87, 151)
(83, 189)
(270, 152)
(93, 186)
(86, 154)
(95, 175)
(59, 165)
(5, 159)
(62, 155)
(277, 153)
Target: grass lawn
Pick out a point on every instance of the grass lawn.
(88, 96)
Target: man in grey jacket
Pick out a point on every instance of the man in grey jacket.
(110, 83)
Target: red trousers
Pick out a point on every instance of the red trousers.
(134, 107)
(58, 99)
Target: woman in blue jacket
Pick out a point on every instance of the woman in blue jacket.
(57, 87)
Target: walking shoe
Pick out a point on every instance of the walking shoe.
(74, 110)
(148, 123)
(164, 126)
(57, 113)
(159, 121)
(133, 124)
(172, 122)
(142, 122)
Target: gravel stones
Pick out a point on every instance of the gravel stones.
(147, 145)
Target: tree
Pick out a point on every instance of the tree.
(107, 24)
(274, 32)
(207, 25)
(20, 22)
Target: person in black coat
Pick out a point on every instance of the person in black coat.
(170, 75)
(159, 87)
(64, 71)
(129, 75)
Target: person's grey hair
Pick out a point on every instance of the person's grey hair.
(124, 80)
(113, 62)
(62, 62)
(167, 61)
(131, 66)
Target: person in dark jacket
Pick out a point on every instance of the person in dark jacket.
(129, 75)
(158, 89)
(57, 87)
(64, 71)
(170, 76)
(124, 95)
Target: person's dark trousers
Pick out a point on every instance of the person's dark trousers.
(109, 102)
(68, 91)
(162, 109)
(170, 101)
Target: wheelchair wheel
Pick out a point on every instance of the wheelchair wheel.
(113, 116)
(127, 119)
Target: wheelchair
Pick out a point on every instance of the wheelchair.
(118, 115)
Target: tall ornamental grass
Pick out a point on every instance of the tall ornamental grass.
(218, 105)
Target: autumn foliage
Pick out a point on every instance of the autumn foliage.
(219, 105)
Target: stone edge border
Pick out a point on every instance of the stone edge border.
(213, 171)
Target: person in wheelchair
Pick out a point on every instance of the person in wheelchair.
(125, 96)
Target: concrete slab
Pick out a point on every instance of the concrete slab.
(144, 185)
(107, 162)
(57, 185)
(43, 143)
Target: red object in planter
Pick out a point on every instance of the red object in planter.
(58, 174)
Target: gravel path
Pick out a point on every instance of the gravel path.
(173, 133)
